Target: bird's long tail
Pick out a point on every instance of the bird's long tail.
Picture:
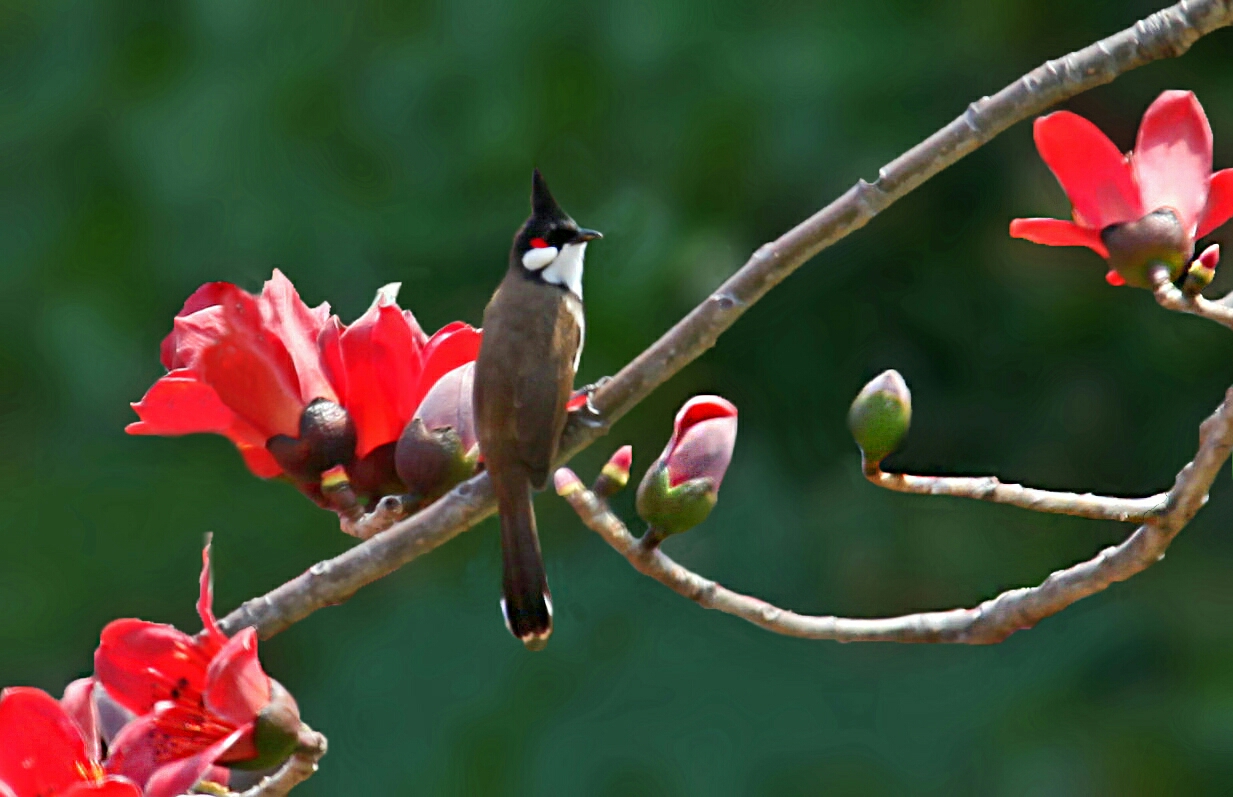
(527, 603)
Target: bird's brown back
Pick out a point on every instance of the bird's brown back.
(524, 374)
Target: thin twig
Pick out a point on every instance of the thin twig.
(299, 767)
(989, 488)
(1170, 297)
(1165, 34)
(991, 621)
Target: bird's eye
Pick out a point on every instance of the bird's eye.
(538, 243)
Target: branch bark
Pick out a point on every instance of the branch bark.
(1170, 297)
(1165, 34)
(991, 621)
(990, 488)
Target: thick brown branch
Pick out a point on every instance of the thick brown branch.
(991, 621)
(1165, 34)
(989, 488)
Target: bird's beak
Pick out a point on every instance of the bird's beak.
(584, 235)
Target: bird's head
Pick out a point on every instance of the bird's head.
(550, 245)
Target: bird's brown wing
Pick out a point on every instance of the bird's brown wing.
(541, 393)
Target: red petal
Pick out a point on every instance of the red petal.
(178, 777)
(236, 686)
(109, 787)
(181, 403)
(453, 345)
(1114, 279)
(1055, 232)
(205, 603)
(1219, 202)
(246, 363)
(141, 664)
(207, 295)
(285, 315)
(329, 343)
(78, 703)
(1173, 156)
(701, 408)
(381, 356)
(43, 751)
(167, 765)
(1094, 174)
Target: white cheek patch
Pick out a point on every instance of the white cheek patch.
(566, 270)
(535, 259)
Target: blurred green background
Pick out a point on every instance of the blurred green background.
(147, 148)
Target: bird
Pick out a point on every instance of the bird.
(532, 344)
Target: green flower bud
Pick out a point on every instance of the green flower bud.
(880, 416)
(275, 732)
(671, 510)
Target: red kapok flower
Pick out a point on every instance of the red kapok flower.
(681, 488)
(43, 752)
(199, 700)
(1168, 176)
(383, 365)
(242, 366)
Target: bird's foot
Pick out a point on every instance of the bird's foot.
(586, 392)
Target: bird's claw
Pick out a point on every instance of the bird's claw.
(589, 391)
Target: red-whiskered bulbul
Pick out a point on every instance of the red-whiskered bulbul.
(533, 333)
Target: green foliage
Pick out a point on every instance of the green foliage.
(148, 148)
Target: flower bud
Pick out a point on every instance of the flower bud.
(438, 448)
(880, 416)
(1202, 271)
(681, 488)
(327, 439)
(275, 732)
(1155, 239)
(615, 474)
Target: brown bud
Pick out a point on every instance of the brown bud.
(1136, 246)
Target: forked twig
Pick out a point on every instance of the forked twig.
(991, 621)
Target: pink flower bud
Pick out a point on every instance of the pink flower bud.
(615, 474)
(702, 441)
(679, 490)
(438, 448)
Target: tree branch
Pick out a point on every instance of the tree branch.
(989, 488)
(991, 621)
(1165, 34)
(1170, 297)
(299, 767)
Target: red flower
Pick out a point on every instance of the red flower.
(239, 365)
(1169, 169)
(44, 752)
(383, 365)
(296, 390)
(198, 700)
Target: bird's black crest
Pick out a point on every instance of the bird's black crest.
(543, 206)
